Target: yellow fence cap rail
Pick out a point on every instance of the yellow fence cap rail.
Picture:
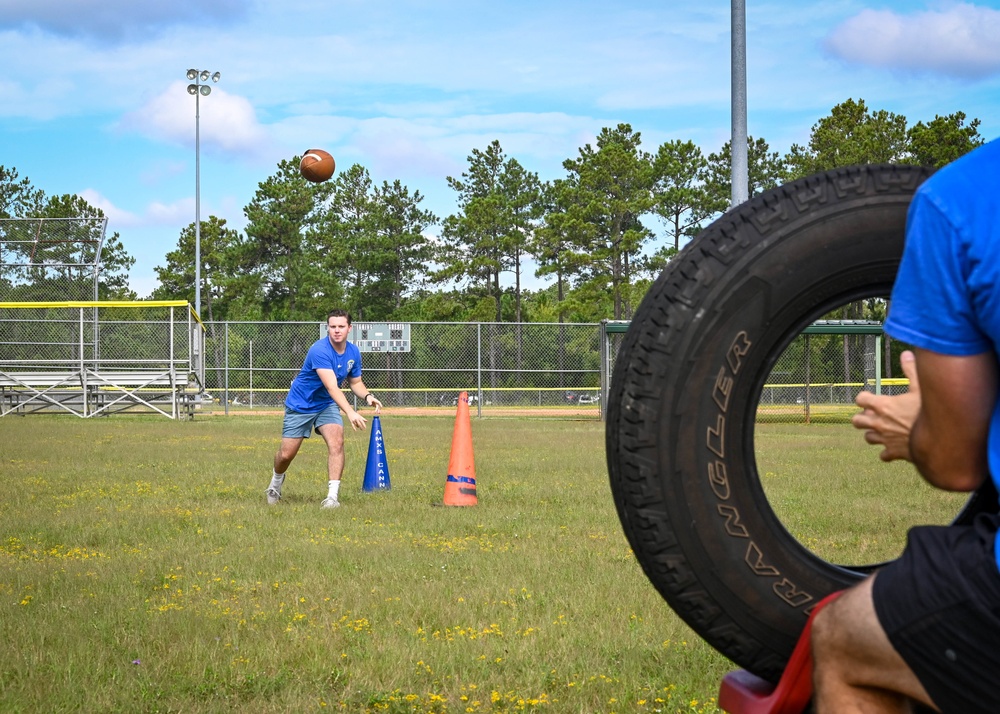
(97, 303)
(102, 304)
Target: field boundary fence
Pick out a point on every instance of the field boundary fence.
(544, 369)
(816, 377)
(93, 358)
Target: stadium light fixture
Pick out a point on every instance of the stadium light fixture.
(198, 90)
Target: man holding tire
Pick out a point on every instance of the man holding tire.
(926, 628)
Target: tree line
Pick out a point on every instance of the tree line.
(600, 233)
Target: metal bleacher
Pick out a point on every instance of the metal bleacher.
(95, 358)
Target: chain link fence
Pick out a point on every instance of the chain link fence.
(528, 368)
(507, 368)
(819, 375)
(816, 378)
(45, 259)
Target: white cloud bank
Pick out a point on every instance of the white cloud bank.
(227, 123)
(960, 40)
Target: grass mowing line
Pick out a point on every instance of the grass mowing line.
(141, 571)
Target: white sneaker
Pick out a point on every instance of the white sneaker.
(273, 496)
(330, 503)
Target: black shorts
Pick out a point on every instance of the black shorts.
(940, 606)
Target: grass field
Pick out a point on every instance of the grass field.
(141, 571)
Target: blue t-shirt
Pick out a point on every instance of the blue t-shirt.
(947, 295)
(308, 395)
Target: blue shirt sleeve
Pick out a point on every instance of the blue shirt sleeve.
(931, 306)
(322, 356)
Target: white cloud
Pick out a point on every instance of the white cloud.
(155, 214)
(178, 213)
(227, 124)
(143, 285)
(116, 20)
(115, 215)
(960, 40)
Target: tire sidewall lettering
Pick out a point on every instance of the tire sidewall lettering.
(718, 478)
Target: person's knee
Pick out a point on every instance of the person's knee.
(823, 635)
(333, 434)
(287, 450)
(835, 635)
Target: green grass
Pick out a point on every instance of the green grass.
(140, 570)
(837, 498)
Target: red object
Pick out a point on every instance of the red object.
(744, 693)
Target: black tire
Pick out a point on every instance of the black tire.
(685, 388)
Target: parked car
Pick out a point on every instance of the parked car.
(590, 398)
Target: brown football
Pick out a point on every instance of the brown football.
(317, 165)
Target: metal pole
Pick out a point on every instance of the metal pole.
(605, 366)
(174, 408)
(878, 364)
(226, 392)
(808, 396)
(479, 364)
(738, 144)
(83, 370)
(197, 202)
(198, 89)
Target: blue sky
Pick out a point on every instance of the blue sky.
(93, 98)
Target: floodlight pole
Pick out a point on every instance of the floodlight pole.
(198, 89)
(738, 143)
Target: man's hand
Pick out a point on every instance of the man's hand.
(357, 421)
(889, 420)
(375, 403)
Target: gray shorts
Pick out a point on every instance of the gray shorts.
(299, 425)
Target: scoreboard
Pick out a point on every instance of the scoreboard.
(381, 336)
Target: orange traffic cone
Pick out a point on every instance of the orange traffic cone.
(460, 487)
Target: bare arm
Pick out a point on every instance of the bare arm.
(942, 423)
(329, 379)
(359, 388)
(949, 438)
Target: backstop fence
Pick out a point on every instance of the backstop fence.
(50, 258)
